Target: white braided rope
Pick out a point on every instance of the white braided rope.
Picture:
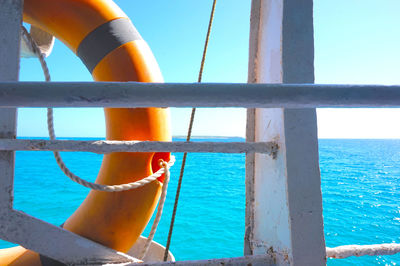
(113, 188)
(342, 252)
(60, 162)
(159, 211)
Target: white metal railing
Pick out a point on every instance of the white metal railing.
(18, 227)
(264, 91)
(22, 222)
(132, 94)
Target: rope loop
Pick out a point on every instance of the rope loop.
(60, 162)
(164, 166)
(122, 187)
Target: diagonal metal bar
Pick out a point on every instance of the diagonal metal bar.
(50, 240)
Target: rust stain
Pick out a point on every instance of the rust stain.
(285, 256)
(272, 253)
(275, 149)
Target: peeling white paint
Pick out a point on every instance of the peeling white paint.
(277, 205)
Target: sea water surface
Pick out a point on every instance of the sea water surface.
(360, 189)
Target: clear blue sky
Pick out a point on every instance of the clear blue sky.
(355, 42)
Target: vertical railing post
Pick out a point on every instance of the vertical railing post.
(10, 26)
(283, 194)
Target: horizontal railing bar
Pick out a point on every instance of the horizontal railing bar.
(270, 258)
(134, 94)
(264, 259)
(346, 251)
(104, 147)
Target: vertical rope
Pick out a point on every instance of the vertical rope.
(189, 134)
(159, 210)
(36, 50)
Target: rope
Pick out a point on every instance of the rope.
(60, 162)
(189, 134)
(99, 187)
(159, 210)
(342, 252)
(36, 50)
(123, 187)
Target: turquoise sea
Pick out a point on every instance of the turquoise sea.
(360, 187)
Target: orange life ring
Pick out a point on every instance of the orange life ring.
(104, 38)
